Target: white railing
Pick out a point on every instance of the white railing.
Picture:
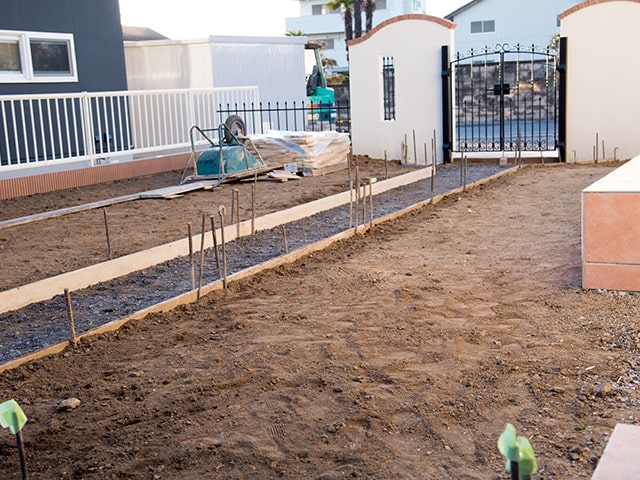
(93, 127)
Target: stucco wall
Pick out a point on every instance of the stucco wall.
(602, 71)
(415, 43)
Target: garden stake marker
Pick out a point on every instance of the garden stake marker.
(202, 232)
(350, 203)
(215, 243)
(13, 418)
(521, 461)
(221, 212)
(193, 268)
(67, 297)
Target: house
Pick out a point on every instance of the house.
(60, 46)
(321, 24)
(489, 23)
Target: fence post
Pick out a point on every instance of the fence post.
(446, 103)
(87, 128)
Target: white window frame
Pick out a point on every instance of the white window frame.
(27, 74)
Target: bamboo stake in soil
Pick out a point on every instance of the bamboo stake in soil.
(221, 212)
(201, 271)
(191, 260)
(350, 203)
(371, 203)
(236, 194)
(215, 243)
(106, 229)
(386, 168)
(286, 244)
(67, 296)
(415, 149)
(357, 185)
(253, 208)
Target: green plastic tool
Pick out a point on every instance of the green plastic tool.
(13, 418)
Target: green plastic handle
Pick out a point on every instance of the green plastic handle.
(507, 444)
(527, 464)
(12, 416)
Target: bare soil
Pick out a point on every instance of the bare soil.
(401, 353)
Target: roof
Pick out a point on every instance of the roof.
(451, 15)
(141, 33)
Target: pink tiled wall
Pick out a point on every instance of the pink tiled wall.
(48, 182)
(611, 230)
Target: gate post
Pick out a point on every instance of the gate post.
(562, 100)
(446, 103)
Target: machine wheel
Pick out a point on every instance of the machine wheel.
(235, 126)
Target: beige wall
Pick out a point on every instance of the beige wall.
(602, 78)
(415, 43)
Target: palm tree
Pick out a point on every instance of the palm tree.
(369, 8)
(347, 15)
(295, 33)
(357, 18)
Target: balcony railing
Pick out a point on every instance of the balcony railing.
(95, 127)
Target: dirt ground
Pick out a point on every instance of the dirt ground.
(46, 248)
(399, 354)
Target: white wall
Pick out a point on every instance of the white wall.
(416, 48)
(602, 79)
(523, 21)
(274, 64)
(169, 64)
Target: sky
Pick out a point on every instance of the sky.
(189, 19)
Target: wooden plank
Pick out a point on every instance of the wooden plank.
(67, 211)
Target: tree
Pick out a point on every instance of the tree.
(347, 15)
(369, 8)
(295, 33)
(357, 18)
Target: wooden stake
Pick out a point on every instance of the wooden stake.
(386, 168)
(236, 193)
(415, 148)
(357, 185)
(371, 203)
(215, 243)
(201, 271)
(435, 149)
(286, 244)
(221, 212)
(106, 229)
(350, 203)
(253, 208)
(67, 296)
(364, 204)
(193, 267)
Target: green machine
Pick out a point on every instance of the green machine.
(231, 154)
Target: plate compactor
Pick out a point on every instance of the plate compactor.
(231, 154)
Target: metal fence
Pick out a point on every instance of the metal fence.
(63, 128)
(294, 116)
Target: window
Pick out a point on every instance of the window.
(32, 57)
(322, 9)
(316, 9)
(327, 44)
(415, 5)
(485, 26)
(381, 4)
(388, 88)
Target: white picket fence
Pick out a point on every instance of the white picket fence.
(96, 127)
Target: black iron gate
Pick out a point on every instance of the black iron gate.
(504, 99)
